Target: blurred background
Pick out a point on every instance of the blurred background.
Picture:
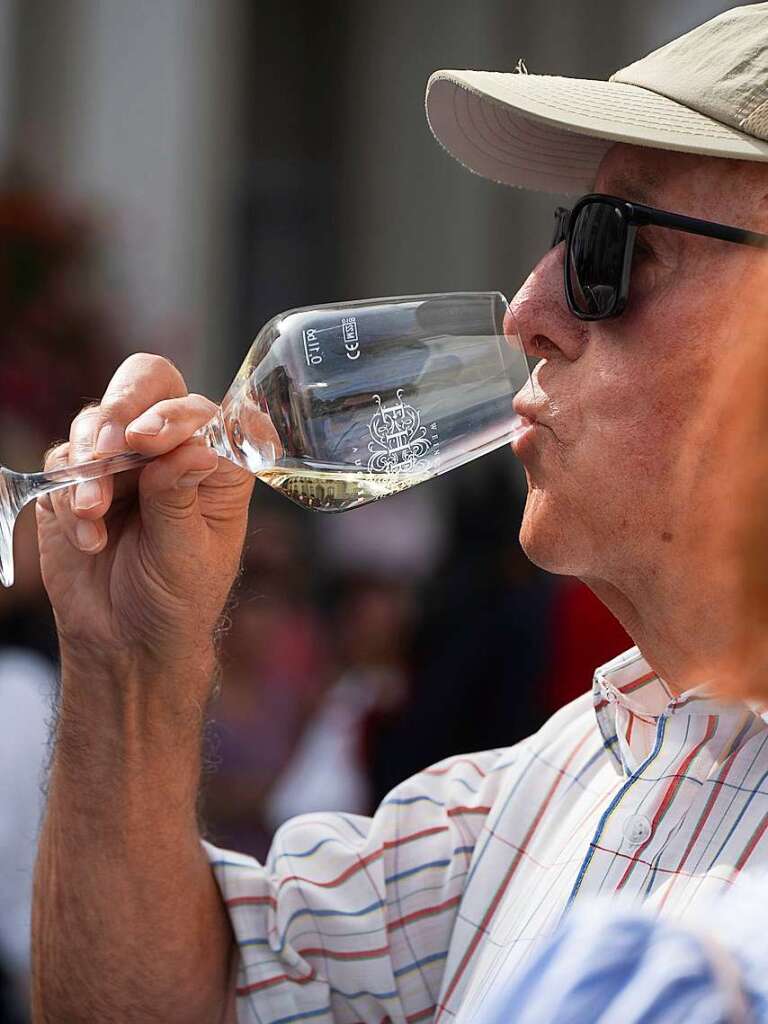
(174, 173)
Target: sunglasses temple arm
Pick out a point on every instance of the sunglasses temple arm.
(692, 225)
(562, 217)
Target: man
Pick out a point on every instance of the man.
(645, 788)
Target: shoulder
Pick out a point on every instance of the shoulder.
(574, 718)
(455, 795)
(470, 786)
(473, 782)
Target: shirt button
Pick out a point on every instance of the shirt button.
(636, 829)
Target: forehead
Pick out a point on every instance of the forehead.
(700, 186)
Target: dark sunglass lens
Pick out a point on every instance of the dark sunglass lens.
(596, 258)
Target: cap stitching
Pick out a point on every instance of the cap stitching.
(754, 99)
(485, 174)
(511, 137)
(714, 128)
(521, 139)
(516, 145)
(756, 123)
(560, 175)
(539, 134)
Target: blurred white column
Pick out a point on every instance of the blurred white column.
(383, 188)
(7, 69)
(131, 105)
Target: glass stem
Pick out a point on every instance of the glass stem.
(54, 479)
(35, 485)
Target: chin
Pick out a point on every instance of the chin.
(541, 553)
(548, 541)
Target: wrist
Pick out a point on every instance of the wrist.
(164, 654)
(128, 745)
(134, 671)
(132, 706)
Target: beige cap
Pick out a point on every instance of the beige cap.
(706, 92)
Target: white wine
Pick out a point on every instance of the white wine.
(332, 490)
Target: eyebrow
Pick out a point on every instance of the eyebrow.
(635, 189)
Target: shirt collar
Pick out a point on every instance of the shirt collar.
(628, 688)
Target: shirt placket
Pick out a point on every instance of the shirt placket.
(639, 820)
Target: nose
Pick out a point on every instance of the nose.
(547, 327)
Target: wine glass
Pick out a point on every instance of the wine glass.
(342, 404)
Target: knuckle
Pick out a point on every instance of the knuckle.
(202, 402)
(179, 409)
(169, 364)
(63, 512)
(137, 360)
(56, 454)
(150, 361)
(129, 384)
(124, 377)
(116, 407)
(198, 404)
(84, 420)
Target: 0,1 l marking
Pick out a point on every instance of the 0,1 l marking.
(312, 349)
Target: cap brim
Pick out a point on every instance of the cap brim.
(550, 133)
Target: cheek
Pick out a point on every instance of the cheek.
(636, 400)
(625, 421)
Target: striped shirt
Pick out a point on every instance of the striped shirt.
(608, 963)
(414, 914)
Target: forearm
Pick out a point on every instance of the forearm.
(128, 924)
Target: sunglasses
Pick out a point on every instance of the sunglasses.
(600, 233)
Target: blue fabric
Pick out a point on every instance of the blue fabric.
(606, 965)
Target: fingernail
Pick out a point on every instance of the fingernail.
(111, 439)
(88, 494)
(194, 478)
(148, 423)
(87, 533)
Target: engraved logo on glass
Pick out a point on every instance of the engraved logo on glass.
(398, 440)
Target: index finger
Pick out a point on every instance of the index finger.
(138, 383)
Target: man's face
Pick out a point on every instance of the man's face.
(616, 399)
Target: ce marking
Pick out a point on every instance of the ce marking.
(351, 340)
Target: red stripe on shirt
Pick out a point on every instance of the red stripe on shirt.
(416, 915)
(638, 684)
(256, 986)
(757, 835)
(420, 1014)
(455, 760)
(251, 901)
(453, 811)
(361, 954)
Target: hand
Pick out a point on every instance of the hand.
(138, 565)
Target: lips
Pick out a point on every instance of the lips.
(529, 411)
(535, 424)
(524, 437)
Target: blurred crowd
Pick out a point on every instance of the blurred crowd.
(359, 648)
